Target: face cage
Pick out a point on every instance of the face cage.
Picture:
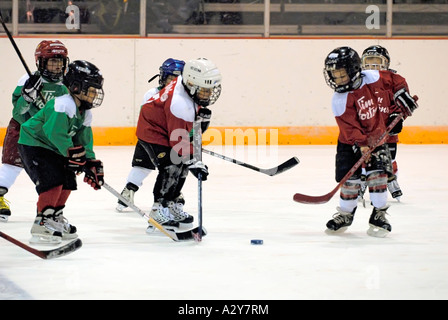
(54, 77)
(165, 74)
(216, 92)
(352, 84)
(329, 79)
(97, 101)
(374, 66)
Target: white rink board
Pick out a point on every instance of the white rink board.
(266, 82)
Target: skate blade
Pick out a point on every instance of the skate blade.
(4, 218)
(151, 229)
(69, 236)
(334, 232)
(183, 226)
(120, 208)
(48, 240)
(377, 232)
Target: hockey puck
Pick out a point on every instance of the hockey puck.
(256, 241)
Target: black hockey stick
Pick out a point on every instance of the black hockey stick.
(18, 52)
(46, 254)
(302, 198)
(197, 148)
(270, 172)
(176, 236)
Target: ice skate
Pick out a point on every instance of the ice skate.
(177, 211)
(340, 222)
(395, 190)
(5, 211)
(379, 226)
(162, 216)
(69, 231)
(45, 229)
(127, 193)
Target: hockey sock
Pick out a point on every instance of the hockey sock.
(49, 198)
(63, 198)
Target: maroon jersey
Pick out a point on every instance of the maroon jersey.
(363, 113)
(167, 118)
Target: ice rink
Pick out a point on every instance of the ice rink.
(298, 260)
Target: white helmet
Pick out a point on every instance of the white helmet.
(202, 73)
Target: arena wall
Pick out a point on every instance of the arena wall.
(273, 92)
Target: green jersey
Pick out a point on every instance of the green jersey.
(59, 126)
(23, 110)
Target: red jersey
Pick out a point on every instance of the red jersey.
(363, 113)
(167, 118)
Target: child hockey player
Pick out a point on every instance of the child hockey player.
(56, 144)
(357, 103)
(141, 163)
(51, 61)
(164, 127)
(377, 57)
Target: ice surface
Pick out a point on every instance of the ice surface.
(298, 260)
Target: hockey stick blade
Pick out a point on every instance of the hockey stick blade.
(270, 172)
(46, 254)
(64, 250)
(302, 198)
(282, 167)
(175, 236)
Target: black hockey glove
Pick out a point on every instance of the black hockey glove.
(199, 168)
(94, 174)
(76, 159)
(32, 88)
(407, 103)
(204, 115)
(398, 127)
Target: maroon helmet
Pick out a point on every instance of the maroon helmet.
(49, 49)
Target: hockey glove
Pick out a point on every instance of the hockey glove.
(407, 103)
(199, 168)
(94, 174)
(398, 127)
(31, 88)
(76, 159)
(204, 116)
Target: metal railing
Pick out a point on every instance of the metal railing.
(267, 18)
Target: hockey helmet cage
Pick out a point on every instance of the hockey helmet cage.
(80, 78)
(375, 57)
(343, 58)
(202, 75)
(49, 49)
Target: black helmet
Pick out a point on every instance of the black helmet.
(81, 76)
(343, 58)
(375, 51)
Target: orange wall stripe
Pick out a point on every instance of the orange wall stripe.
(307, 135)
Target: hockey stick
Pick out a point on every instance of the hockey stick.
(176, 236)
(198, 236)
(197, 148)
(302, 198)
(270, 172)
(18, 52)
(46, 254)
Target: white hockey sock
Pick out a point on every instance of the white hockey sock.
(379, 199)
(8, 175)
(137, 175)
